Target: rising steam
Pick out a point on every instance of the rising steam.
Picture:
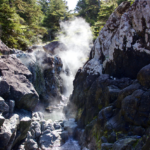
(77, 36)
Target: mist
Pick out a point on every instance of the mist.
(76, 34)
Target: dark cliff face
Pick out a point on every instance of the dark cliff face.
(111, 92)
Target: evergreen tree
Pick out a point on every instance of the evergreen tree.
(57, 11)
(88, 9)
(20, 21)
(12, 34)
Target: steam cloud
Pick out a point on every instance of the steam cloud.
(77, 37)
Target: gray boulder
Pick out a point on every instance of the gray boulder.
(24, 125)
(8, 132)
(124, 144)
(31, 145)
(16, 76)
(3, 106)
(143, 76)
(54, 47)
(46, 140)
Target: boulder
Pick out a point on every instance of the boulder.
(54, 47)
(8, 132)
(124, 144)
(11, 106)
(106, 146)
(143, 76)
(31, 145)
(4, 88)
(23, 127)
(46, 140)
(105, 114)
(15, 77)
(3, 106)
(65, 136)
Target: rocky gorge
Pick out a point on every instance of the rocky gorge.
(109, 108)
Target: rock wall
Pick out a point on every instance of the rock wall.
(111, 92)
(122, 47)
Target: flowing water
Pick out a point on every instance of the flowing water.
(71, 144)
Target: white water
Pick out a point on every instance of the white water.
(77, 37)
(71, 144)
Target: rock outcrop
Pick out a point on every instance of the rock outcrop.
(122, 47)
(111, 92)
(54, 47)
(15, 84)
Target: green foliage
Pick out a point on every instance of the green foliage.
(57, 11)
(20, 21)
(88, 9)
(120, 1)
(12, 34)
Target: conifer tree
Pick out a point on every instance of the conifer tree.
(57, 11)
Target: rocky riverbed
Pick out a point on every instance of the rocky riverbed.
(109, 108)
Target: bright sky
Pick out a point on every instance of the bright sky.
(72, 4)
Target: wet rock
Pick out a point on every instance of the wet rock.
(37, 116)
(3, 106)
(112, 137)
(31, 145)
(135, 107)
(54, 47)
(21, 90)
(70, 126)
(46, 140)
(104, 139)
(24, 125)
(36, 129)
(55, 135)
(106, 146)
(143, 76)
(8, 132)
(124, 144)
(4, 88)
(49, 125)
(105, 114)
(56, 126)
(65, 136)
(125, 92)
(11, 106)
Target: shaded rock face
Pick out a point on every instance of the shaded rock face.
(15, 85)
(122, 47)
(54, 47)
(111, 92)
